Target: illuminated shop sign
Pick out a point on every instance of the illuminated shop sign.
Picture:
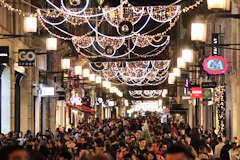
(197, 92)
(215, 41)
(47, 90)
(26, 57)
(215, 65)
(4, 54)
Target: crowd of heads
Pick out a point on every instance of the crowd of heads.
(142, 138)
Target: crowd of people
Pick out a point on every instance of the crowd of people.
(142, 138)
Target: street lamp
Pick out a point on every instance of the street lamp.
(98, 79)
(78, 70)
(113, 90)
(187, 55)
(51, 44)
(198, 32)
(171, 78)
(65, 63)
(181, 62)
(219, 4)
(86, 73)
(176, 72)
(120, 94)
(164, 93)
(108, 85)
(105, 83)
(92, 77)
(30, 24)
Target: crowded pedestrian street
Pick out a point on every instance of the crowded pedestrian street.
(119, 79)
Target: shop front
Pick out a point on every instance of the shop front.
(80, 113)
(61, 114)
(5, 107)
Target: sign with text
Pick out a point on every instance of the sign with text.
(215, 41)
(4, 54)
(26, 57)
(197, 92)
(215, 65)
(209, 84)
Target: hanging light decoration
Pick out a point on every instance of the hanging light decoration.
(123, 17)
(75, 2)
(136, 73)
(100, 2)
(145, 93)
(108, 47)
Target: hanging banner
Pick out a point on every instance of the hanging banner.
(209, 84)
(82, 108)
(215, 41)
(197, 92)
(26, 57)
(186, 85)
(4, 54)
(215, 65)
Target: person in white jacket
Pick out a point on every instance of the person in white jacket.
(218, 148)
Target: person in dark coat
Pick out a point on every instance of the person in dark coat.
(224, 152)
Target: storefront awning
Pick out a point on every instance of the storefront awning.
(82, 108)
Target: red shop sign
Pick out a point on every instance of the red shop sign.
(197, 92)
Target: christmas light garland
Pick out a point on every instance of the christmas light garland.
(145, 93)
(114, 16)
(136, 73)
(219, 99)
